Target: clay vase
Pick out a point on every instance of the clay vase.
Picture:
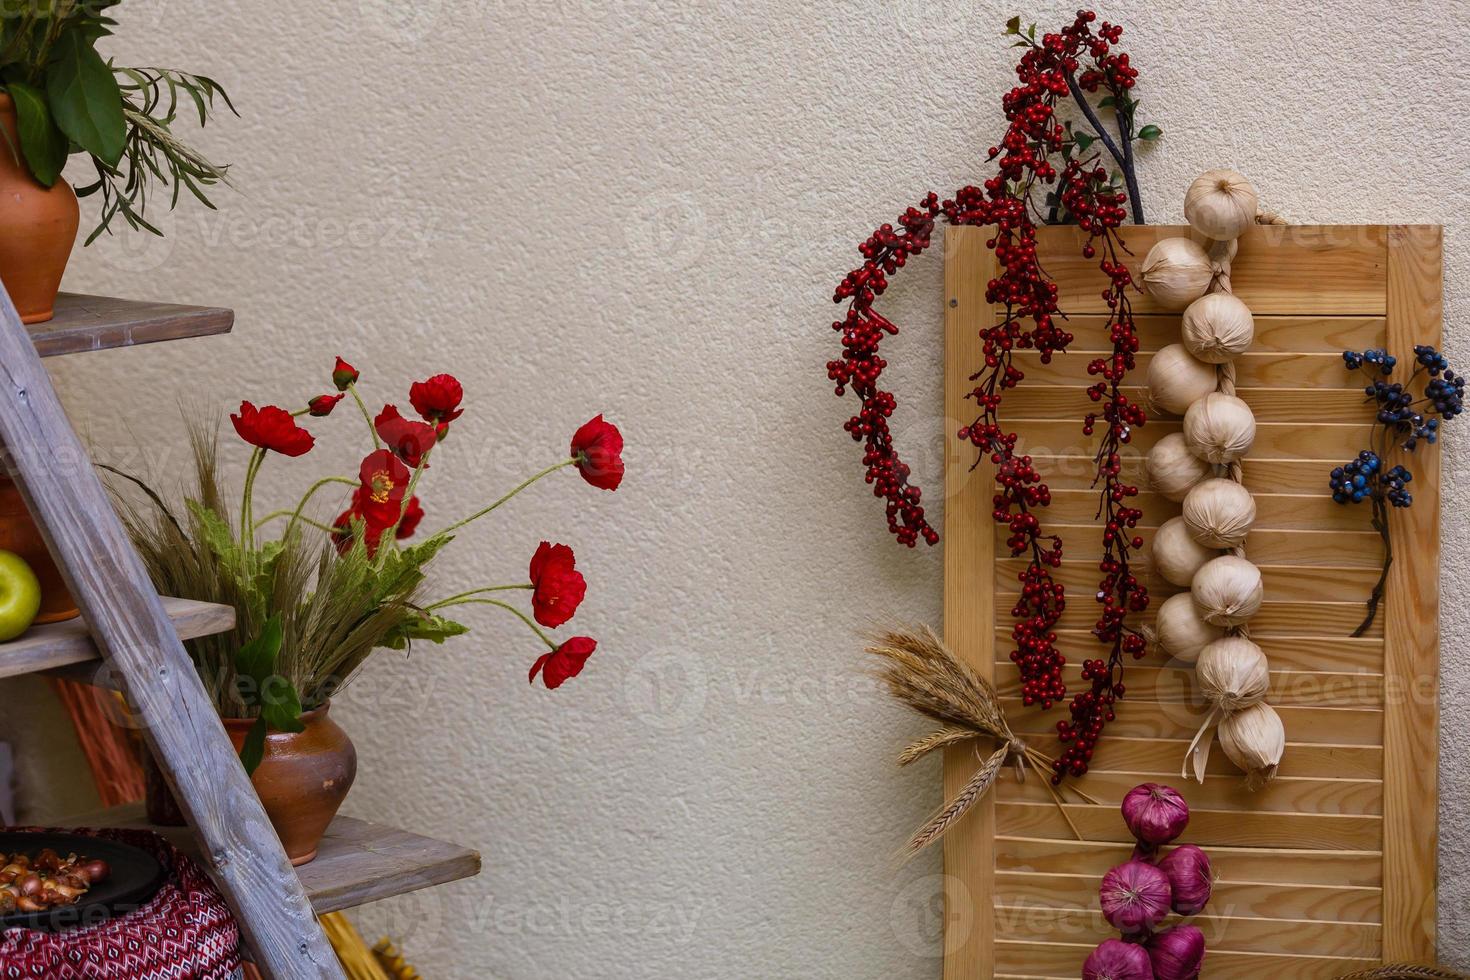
(38, 226)
(302, 780)
(18, 533)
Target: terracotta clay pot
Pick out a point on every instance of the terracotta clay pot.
(303, 778)
(18, 533)
(38, 226)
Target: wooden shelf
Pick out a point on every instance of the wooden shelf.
(84, 323)
(69, 643)
(359, 862)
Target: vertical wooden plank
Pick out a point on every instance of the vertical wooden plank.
(969, 603)
(133, 632)
(1411, 629)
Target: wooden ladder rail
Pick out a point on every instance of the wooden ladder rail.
(126, 617)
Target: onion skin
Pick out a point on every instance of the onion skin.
(1116, 960)
(1155, 814)
(1177, 953)
(1191, 878)
(1135, 897)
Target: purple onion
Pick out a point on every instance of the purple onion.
(1116, 960)
(1190, 878)
(1134, 897)
(1155, 814)
(1177, 953)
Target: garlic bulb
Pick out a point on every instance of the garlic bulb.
(1233, 673)
(1176, 272)
(1217, 328)
(1173, 469)
(1177, 379)
(1254, 739)
(1227, 590)
(1176, 555)
(1221, 204)
(1220, 428)
(1181, 631)
(1219, 513)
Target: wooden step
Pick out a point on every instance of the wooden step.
(359, 862)
(68, 643)
(84, 323)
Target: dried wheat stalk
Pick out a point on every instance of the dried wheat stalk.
(921, 672)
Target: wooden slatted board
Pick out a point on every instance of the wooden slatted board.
(1331, 868)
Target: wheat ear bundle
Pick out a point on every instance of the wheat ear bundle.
(923, 673)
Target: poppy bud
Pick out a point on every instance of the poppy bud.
(321, 406)
(343, 375)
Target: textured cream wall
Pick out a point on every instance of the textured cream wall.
(642, 207)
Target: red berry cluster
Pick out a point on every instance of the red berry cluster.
(1024, 157)
(884, 253)
(1120, 592)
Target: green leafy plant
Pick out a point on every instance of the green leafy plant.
(68, 99)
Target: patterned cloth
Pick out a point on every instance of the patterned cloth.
(185, 932)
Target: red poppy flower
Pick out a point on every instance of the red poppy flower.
(413, 512)
(379, 499)
(598, 449)
(321, 406)
(438, 398)
(343, 375)
(407, 438)
(565, 661)
(272, 428)
(560, 588)
(377, 502)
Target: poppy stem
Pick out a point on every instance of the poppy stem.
(519, 615)
(273, 515)
(366, 417)
(526, 483)
(463, 597)
(296, 514)
(252, 469)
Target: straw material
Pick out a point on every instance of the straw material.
(921, 672)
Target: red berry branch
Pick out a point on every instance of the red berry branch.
(1119, 593)
(1026, 160)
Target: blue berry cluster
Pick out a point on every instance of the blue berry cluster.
(1356, 481)
(1432, 359)
(1446, 394)
(1399, 412)
(1382, 360)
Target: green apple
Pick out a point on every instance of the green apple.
(20, 596)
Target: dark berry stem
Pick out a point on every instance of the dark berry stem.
(1124, 161)
(1380, 524)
